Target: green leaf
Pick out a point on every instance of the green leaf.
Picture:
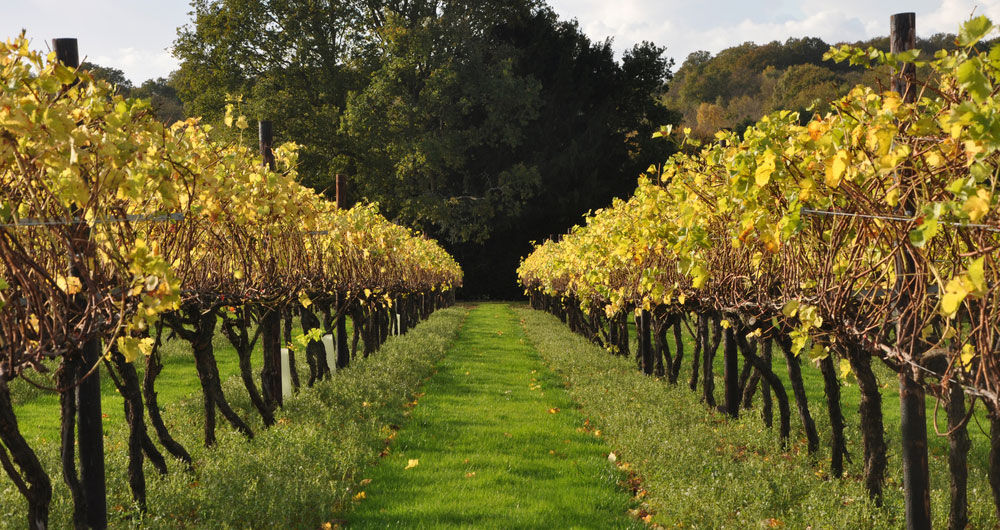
(908, 56)
(971, 78)
(974, 30)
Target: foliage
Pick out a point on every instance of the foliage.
(71, 151)
(439, 126)
(804, 227)
(165, 103)
(480, 123)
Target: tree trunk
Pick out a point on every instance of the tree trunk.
(958, 456)
(675, 367)
(270, 373)
(913, 431)
(784, 413)
(838, 444)
(660, 348)
(698, 346)
(315, 352)
(623, 339)
(768, 411)
(153, 368)
(136, 426)
(208, 374)
(343, 352)
(237, 331)
(799, 390)
(994, 462)
(730, 373)
(32, 480)
(708, 358)
(287, 330)
(872, 429)
(357, 321)
(67, 379)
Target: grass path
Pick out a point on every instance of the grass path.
(495, 443)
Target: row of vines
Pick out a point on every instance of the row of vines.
(866, 235)
(117, 232)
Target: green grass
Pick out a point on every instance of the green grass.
(850, 399)
(499, 444)
(297, 474)
(705, 471)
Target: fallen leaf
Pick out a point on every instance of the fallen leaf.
(553, 410)
(470, 475)
(414, 462)
(365, 482)
(360, 495)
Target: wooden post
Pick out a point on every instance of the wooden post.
(343, 353)
(265, 132)
(90, 428)
(913, 421)
(270, 374)
(903, 37)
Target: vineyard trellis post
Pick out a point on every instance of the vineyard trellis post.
(270, 375)
(912, 401)
(343, 354)
(90, 428)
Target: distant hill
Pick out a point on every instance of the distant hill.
(739, 85)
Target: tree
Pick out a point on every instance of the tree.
(288, 60)
(436, 131)
(110, 74)
(161, 92)
(485, 123)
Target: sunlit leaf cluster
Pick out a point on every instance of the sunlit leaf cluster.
(109, 219)
(830, 228)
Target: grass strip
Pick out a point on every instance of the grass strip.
(704, 471)
(495, 443)
(296, 474)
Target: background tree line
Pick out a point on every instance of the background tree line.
(737, 86)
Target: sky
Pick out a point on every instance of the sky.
(135, 35)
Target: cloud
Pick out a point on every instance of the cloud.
(138, 64)
(684, 27)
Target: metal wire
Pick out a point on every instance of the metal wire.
(897, 218)
(104, 220)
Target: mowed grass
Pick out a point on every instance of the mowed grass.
(850, 398)
(299, 473)
(703, 470)
(496, 442)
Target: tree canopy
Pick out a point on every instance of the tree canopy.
(483, 123)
